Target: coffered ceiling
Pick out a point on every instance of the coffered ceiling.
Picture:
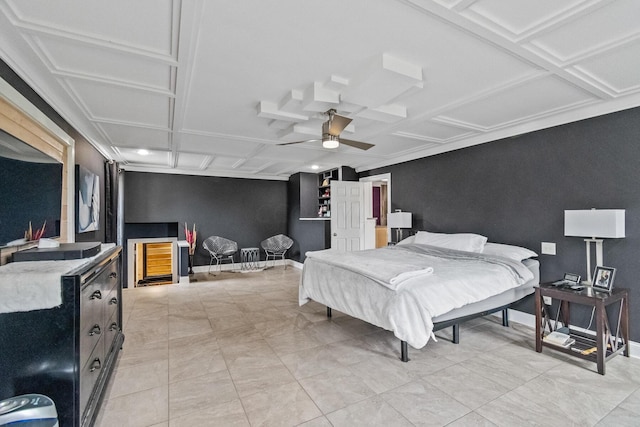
(212, 87)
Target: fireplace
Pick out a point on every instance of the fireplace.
(150, 237)
(154, 261)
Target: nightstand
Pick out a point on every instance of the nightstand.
(606, 343)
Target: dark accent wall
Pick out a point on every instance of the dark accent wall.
(516, 190)
(245, 210)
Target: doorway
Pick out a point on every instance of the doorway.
(381, 200)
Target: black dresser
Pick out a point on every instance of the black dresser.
(68, 352)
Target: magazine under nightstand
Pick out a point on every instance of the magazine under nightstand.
(598, 348)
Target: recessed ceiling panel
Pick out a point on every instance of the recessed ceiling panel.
(519, 16)
(614, 22)
(99, 63)
(136, 137)
(434, 132)
(225, 162)
(145, 24)
(113, 103)
(389, 145)
(190, 160)
(619, 79)
(300, 154)
(518, 104)
(216, 145)
(277, 168)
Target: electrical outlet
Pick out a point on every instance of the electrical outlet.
(547, 248)
(547, 300)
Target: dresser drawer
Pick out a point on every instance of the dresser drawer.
(91, 319)
(112, 328)
(90, 373)
(111, 303)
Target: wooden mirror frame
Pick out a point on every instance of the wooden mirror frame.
(24, 121)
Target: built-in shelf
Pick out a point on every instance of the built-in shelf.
(324, 192)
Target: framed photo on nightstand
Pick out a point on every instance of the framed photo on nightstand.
(603, 278)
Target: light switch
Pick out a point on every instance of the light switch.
(548, 248)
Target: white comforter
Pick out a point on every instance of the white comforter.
(401, 288)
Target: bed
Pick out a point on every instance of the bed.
(421, 285)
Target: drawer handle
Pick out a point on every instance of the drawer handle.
(96, 295)
(113, 327)
(95, 365)
(113, 300)
(113, 275)
(95, 330)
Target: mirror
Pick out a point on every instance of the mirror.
(30, 191)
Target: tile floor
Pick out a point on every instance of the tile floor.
(236, 349)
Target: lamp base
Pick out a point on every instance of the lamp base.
(598, 243)
(398, 235)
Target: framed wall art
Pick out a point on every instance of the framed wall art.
(88, 201)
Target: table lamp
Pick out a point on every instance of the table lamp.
(595, 224)
(399, 220)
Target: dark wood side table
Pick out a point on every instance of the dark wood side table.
(606, 343)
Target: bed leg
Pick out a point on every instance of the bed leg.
(404, 351)
(505, 317)
(456, 333)
(329, 312)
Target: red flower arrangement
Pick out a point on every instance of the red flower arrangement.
(30, 235)
(190, 237)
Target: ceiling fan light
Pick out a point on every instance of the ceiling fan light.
(330, 142)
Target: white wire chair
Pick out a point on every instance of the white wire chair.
(220, 249)
(276, 246)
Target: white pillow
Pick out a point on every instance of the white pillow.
(461, 241)
(409, 240)
(508, 251)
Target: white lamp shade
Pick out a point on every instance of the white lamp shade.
(399, 220)
(603, 223)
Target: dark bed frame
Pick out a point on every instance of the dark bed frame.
(404, 348)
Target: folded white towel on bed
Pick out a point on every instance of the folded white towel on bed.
(402, 277)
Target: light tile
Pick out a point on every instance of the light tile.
(370, 412)
(471, 420)
(425, 405)
(192, 395)
(287, 404)
(124, 411)
(215, 414)
(336, 389)
(477, 389)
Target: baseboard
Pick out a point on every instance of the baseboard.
(295, 264)
(530, 321)
(231, 267)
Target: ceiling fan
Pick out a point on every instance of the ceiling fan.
(331, 130)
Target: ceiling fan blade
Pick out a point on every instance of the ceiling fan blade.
(356, 144)
(337, 124)
(299, 142)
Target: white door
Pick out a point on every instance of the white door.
(350, 207)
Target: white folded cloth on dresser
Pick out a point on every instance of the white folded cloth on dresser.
(35, 285)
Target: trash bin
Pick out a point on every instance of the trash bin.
(28, 410)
